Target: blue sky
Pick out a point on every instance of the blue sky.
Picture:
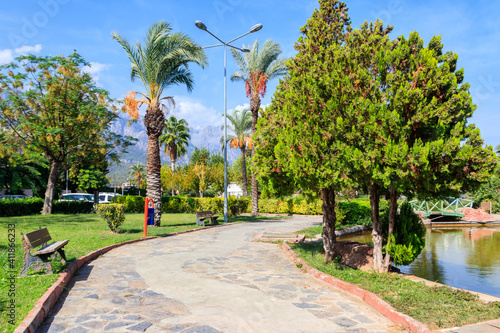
(53, 27)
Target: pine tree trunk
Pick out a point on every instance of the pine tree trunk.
(244, 171)
(393, 209)
(154, 121)
(377, 228)
(51, 185)
(329, 220)
(254, 107)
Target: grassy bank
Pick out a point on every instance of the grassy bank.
(436, 307)
(86, 233)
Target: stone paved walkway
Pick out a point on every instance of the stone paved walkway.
(214, 280)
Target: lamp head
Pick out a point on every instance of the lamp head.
(200, 25)
(255, 28)
(245, 50)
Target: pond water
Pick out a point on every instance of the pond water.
(461, 257)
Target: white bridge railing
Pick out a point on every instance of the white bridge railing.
(453, 207)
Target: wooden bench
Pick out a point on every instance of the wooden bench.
(201, 216)
(40, 258)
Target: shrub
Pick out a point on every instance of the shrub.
(408, 238)
(72, 207)
(132, 204)
(113, 214)
(20, 207)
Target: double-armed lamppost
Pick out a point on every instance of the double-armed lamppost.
(255, 28)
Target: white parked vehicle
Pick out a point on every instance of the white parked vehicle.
(107, 197)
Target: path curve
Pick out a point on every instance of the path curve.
(214, 280)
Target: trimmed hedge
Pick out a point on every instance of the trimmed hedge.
(21, 207)
(354, 211)
(72, 207)
(236, 206)
(33, 206)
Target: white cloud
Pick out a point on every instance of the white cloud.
(195, 113)
(94, 69)
(28, 49)
(8, 55)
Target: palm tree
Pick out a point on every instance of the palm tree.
(160, 62)
(176, 139)
(256, 69)
(241, 126)
(138, 171)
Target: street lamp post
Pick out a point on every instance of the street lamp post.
(255, 28)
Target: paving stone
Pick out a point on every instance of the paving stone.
(150, 293)
(141, 327)
(201, 329)
(132, 317)
(362, 319)
(116, 288)
(94, 324)
(344, 306)
(117, 300)
(307, 305)
(345, 322)
(285, 287)
(78, 329)
(116, 325)
(84, 318)
(93, 296)
(53, 328)
(322, 314)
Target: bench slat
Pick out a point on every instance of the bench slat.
(37, 237)
(34, 235)
(52, 247)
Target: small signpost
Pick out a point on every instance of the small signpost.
(148, 215)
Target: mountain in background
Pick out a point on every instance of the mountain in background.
(207, 137)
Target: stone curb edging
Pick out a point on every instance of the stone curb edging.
(42, 307)
(370, 298)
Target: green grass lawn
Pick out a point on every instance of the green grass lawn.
(436, 307)
(86, 233)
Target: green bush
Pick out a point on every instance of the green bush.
(236, 206)
(113, 214)
(72, 207)
(356, 211)
(131, 203)
(408, 238)
(20, 207)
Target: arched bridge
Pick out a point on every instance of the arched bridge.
(448, 207)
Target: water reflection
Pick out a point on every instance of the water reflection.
(467, 258)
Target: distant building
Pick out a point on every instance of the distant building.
(234, 189)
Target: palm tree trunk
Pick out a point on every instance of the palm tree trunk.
(244, 171)
(51, 185)
(154, 121)
(254, 107)
(172, 165)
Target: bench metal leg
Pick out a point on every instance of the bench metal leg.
(200, 222)
(36, 263)
(62, 254)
